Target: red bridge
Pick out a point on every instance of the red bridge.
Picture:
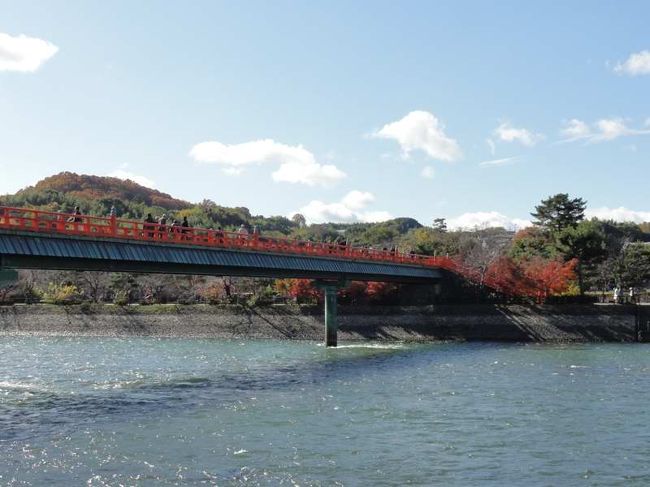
(47, 240)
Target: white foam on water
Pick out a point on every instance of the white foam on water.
(22, 386)
(375, 346)
(123, 384)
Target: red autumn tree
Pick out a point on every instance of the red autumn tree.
(381, 292)
(301, 290)
(552, 277)
(505, 276)
(353, 293)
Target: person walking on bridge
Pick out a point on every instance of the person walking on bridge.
(242, 233)
(185, 228)
(162, 225)
(174, 228)
(149, 224)
(76, 216)
(113, 220)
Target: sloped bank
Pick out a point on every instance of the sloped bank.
(566, 323)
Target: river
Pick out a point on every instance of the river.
(145, 411)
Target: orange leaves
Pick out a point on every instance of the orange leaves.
(537, 277)
(299, 289)
(304, 290)
(381, 291)
(552, 277)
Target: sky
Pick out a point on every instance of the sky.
(342, 110)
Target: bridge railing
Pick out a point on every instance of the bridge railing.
(30, 220)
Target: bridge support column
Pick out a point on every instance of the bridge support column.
(331, 324)
(7, 276)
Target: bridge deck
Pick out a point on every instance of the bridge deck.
(34, 239)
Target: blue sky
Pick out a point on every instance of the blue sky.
(348, 111)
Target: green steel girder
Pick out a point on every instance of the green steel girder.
(82, 254)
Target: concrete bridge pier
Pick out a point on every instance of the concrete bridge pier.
(642, 316)
(330, 290)
(7, 276)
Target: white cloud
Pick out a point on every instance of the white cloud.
(620, 214)
(576, 129)
(356, 200)
(141, 180)
(498, 162)
(420, 130)
(375, 216)
(297, 164)
(24, 54)
(638, 63)
(602, 130)
(348, 210)
(428, 172)
(233, 171)
(508, 133)
(612, 128)
(310, 174)
(486, 219)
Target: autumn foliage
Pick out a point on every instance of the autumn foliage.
(538, 278)
(98, 187)
(302, 290)
(356, 292)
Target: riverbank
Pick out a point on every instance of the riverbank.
(513, 323)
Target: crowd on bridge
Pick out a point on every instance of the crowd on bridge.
(162, 228)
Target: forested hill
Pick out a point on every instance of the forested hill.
(562, 253)
(88, 188)
(96, 194)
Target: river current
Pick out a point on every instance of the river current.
(145, 411)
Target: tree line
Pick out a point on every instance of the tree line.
(561, 254)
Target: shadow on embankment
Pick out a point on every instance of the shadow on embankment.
(512, 323)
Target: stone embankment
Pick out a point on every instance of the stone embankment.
(515, 323)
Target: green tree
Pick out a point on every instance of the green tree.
(558, 212)
(440, 224)
(299, 220)
(586, 242)
(427, 241)
(633, 266)
(531, 243)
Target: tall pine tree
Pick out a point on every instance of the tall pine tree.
(558, 212)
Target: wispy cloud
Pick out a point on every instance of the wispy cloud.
(602, 130)
(428, 172)
(499, 162)
(636, 64)
(136, 178)
(507, 133)
(24, 54)
(296, 164)
(421, 130)
(492, 146)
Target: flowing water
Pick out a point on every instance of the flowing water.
(144, 411)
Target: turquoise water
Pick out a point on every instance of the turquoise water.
(149, 411)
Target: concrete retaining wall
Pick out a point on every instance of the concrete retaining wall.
(566, 323)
